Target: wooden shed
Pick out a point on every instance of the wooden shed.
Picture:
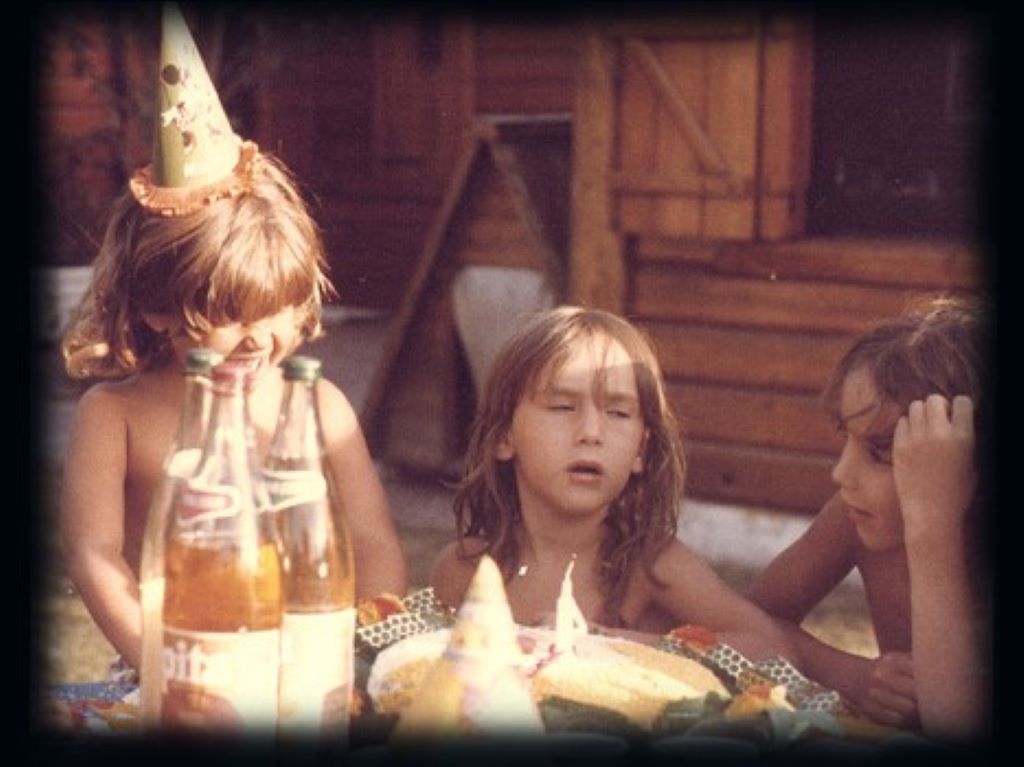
(754, 185)
(506, 207)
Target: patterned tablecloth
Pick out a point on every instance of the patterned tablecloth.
(808, 715)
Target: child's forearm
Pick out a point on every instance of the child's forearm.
(110, 592)
(380, 568)
(831, 667)
(946, 648)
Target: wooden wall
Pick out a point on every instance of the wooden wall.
(691, 138)
(748, 334)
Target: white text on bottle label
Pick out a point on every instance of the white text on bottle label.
(294, 488)
(220, 680)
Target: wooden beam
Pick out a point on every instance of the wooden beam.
(596, 268)
(511, 175)
(658, 183)
(400, 322)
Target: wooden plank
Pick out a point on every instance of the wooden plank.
(785, 149)
(686, 64)
(771, 479)
(544, 64)
(500, 37)
(874, 261)
(677, 23)
(693, 185)
(398, 106)
(697, 295)
(596, 269)
(732, 121)
(753, 417)
(514, 96)
(794, 362)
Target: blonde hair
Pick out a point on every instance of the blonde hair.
(235, 260)
(642, 521)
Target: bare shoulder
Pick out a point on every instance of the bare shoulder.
(106, 404)
(337, 415)
(453, 569)
(678, 560)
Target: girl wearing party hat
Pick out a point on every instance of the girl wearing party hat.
(212, 245)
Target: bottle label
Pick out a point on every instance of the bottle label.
(294, 488)
(200, 503)
(219, 680)
(316, 670)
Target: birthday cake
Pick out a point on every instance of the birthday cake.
(564, 663)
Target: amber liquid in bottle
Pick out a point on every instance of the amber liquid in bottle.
(222, 598)
(318, 622)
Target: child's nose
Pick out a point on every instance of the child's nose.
(842, 472)
(257, 334)
(590, 426)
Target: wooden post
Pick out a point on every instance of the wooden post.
(596, 268)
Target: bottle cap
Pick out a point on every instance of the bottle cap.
(301, 367)
(200, 361)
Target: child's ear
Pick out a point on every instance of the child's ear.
(505, 451)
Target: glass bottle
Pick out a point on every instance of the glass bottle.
(222, 601)
(180, 463)
(318, 625)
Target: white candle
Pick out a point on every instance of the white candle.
(569, 620)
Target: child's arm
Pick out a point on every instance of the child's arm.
(92, 510)
(810, 567)
(695, 594)
(933, 447)
(380, 562)
(797, 580)
(881, 688)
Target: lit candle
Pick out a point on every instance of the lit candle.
(569, 620)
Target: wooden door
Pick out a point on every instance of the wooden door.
(689, 127)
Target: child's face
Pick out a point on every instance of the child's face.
(579, 435)
(262, 344)
(864, 470)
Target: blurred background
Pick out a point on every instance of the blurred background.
(753, 187)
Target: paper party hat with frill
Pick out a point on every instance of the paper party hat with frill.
(197, 157)
(478, 685)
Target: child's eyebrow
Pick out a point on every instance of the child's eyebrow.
(557, 390)
(843, 420)
(620, 398)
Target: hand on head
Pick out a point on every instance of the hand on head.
(933, 464)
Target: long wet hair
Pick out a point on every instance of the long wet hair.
(234, 260)
(642, 521)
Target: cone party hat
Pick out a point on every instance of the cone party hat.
(478, 685)
(197, 157)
